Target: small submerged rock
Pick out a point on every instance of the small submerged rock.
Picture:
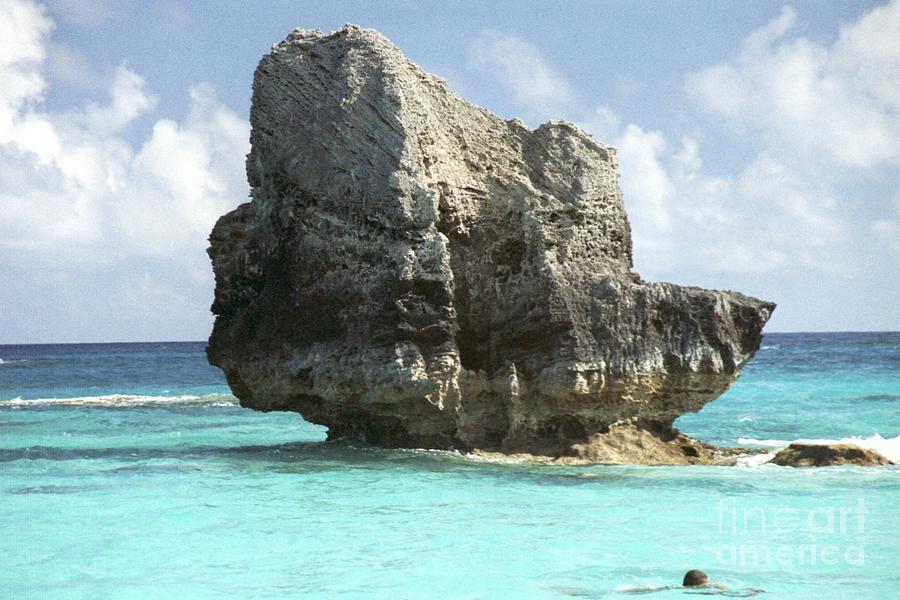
(826, 455)
(634, 444)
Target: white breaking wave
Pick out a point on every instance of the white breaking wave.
(644, 588)
(754, 460)
(127, 400)
(887, 447)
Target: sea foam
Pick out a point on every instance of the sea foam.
(125, 400)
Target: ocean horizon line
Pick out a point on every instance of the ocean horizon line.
(111, 343)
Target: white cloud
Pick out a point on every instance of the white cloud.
(90, 14)
(522, 69)
(834, 105)
(887, 230)
(22, 29)
(646, 180)
(768, 218)
(69, 66)
(128, 100)
(76, 193)
(77, 180)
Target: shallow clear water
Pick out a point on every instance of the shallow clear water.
(126, 471)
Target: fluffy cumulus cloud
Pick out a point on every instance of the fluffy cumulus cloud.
(767, 218)
(837, 103)
(820, 119)
(82, 202)
(829, 112)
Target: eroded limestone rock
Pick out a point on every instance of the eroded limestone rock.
(416, 271)
(826, 455)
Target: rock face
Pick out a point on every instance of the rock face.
(628, 443)
(416, 271)
(826, 455)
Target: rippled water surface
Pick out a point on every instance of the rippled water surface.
(127, 471)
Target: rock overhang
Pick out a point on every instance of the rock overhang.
(416, 271)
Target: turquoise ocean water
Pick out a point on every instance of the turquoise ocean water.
(127, 471)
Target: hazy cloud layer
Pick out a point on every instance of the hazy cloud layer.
(522, 69)
(837, 104)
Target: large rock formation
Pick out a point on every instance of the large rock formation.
(416, 271)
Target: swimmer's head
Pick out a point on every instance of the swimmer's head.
(695, 577)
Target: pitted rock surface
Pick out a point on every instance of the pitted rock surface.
(415, 271)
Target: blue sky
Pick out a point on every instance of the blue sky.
(759, 143)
